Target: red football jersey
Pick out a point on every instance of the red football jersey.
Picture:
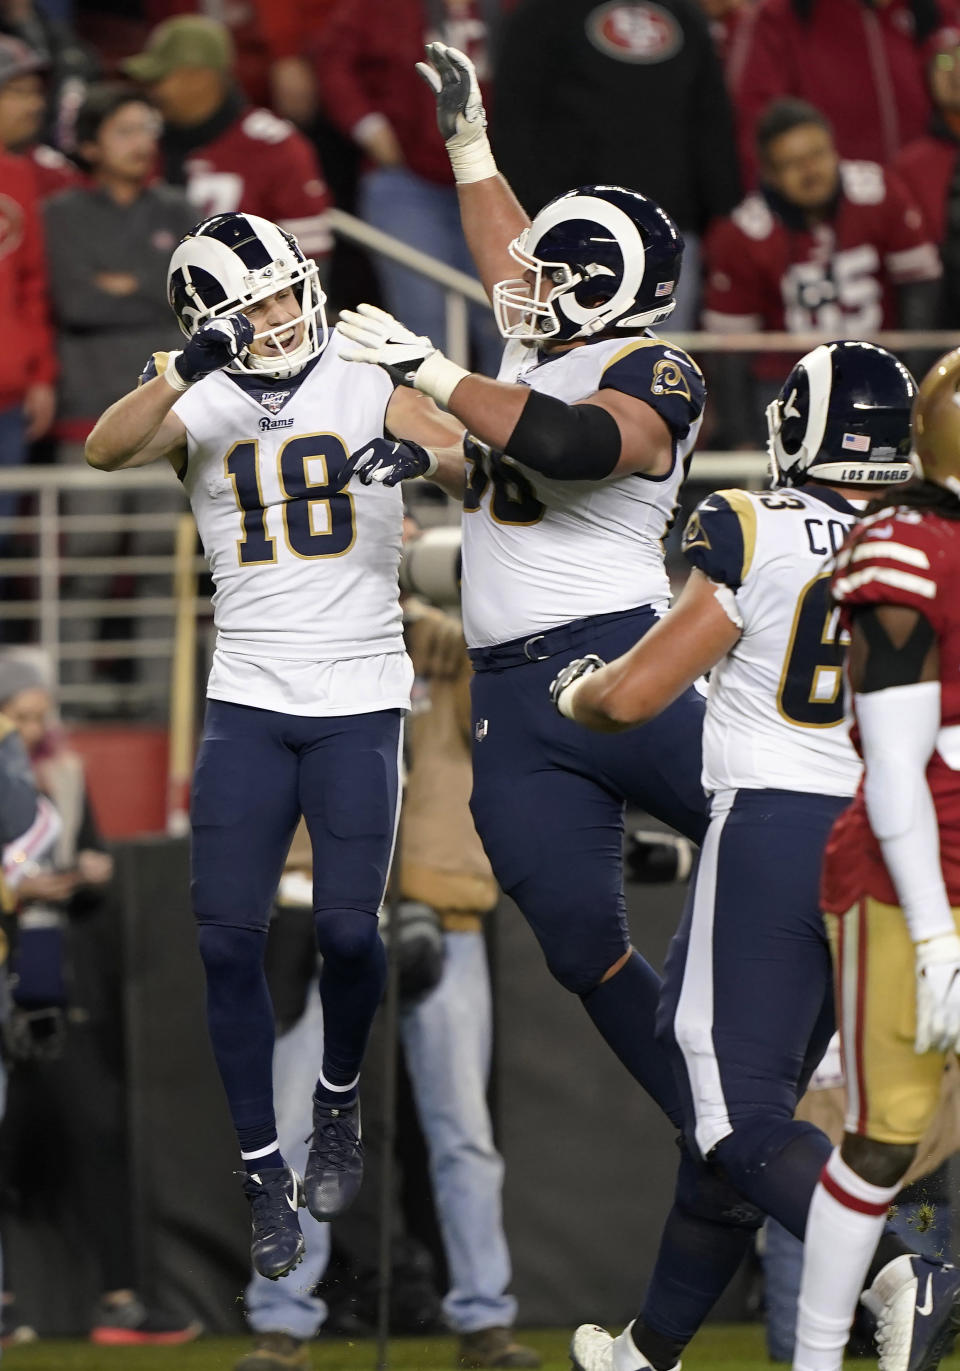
(902, 557)
(263, 165)
(836, 279)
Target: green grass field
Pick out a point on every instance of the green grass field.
(732, 1347)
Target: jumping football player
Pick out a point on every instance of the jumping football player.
(747, 1006)
(259, 416)
(891, 881)
(562, 545)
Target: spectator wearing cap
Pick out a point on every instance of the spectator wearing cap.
(366, 63)
(69, 63)
(824, 246)
(862, 62)
(228, 154)
(23, 107)
(930, 167)
(71, 1104)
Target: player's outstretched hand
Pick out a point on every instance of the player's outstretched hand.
(215, 344)
(453, 79)
(938, 994)
(574, 671)
(390, 463)
(383, 340)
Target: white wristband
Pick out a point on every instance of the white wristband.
(471, 161)
(438, 377)
(172, 377)
(568, 694)
(434, 463)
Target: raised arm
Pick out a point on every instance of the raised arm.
(490, 213)
(140, 427)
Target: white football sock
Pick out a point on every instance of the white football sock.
(846, 1219)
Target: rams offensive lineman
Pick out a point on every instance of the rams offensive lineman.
(562, 553)
(562, 545)
(259, 415)
(747, 1005)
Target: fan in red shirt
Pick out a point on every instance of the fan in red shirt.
(229, 155)
(23, 107)
(731, 25)
(863, 62)
(928, 167)
(891, 877)
(824, 246)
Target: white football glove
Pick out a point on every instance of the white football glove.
(461, 117)
(567, 682)
(938, 994)
(409, 359)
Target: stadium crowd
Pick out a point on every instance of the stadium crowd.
(808, 150)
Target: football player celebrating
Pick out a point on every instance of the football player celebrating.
(747, 1008)
(891, 881)
(575, 459)
(258, 415)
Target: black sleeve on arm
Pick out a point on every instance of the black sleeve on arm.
(565, 442)
(888, 665)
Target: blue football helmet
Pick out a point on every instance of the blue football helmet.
(843, 415)
(231, 261)
(610, 259)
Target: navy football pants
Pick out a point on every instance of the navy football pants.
(257, 771)
(548, 799)
(747, 1004)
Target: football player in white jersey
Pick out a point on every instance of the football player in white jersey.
(259, 416)
(747, 1005)
(574, 460)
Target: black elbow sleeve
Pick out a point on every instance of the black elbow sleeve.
(565, 442)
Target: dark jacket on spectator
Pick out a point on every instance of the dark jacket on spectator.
(588, 93)
(863, 67)
(104, 339)
(366, 55)
(27, 357)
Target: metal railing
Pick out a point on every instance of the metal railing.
(37, 574)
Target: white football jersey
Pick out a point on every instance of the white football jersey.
(538, 552)
(305, 573)
(775, 708)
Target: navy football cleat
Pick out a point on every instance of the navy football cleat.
(275, 1195)
(334, 1169)
(917, 1307)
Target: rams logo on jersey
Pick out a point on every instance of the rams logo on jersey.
(694, 535)
(668, 379)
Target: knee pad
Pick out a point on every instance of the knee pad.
(347, 936)
(754, 1144)
(705, 1192)
(229, 952)
(576, 973)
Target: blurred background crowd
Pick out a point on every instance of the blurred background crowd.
(809, 151)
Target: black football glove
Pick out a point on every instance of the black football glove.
(389, 463)
(216, 343)
(573, 671)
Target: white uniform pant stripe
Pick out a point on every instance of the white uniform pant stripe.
(693, 1019)
(396, 817)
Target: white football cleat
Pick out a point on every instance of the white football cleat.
(593, 1349)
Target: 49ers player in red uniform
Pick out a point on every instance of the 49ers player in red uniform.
(891, 880)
